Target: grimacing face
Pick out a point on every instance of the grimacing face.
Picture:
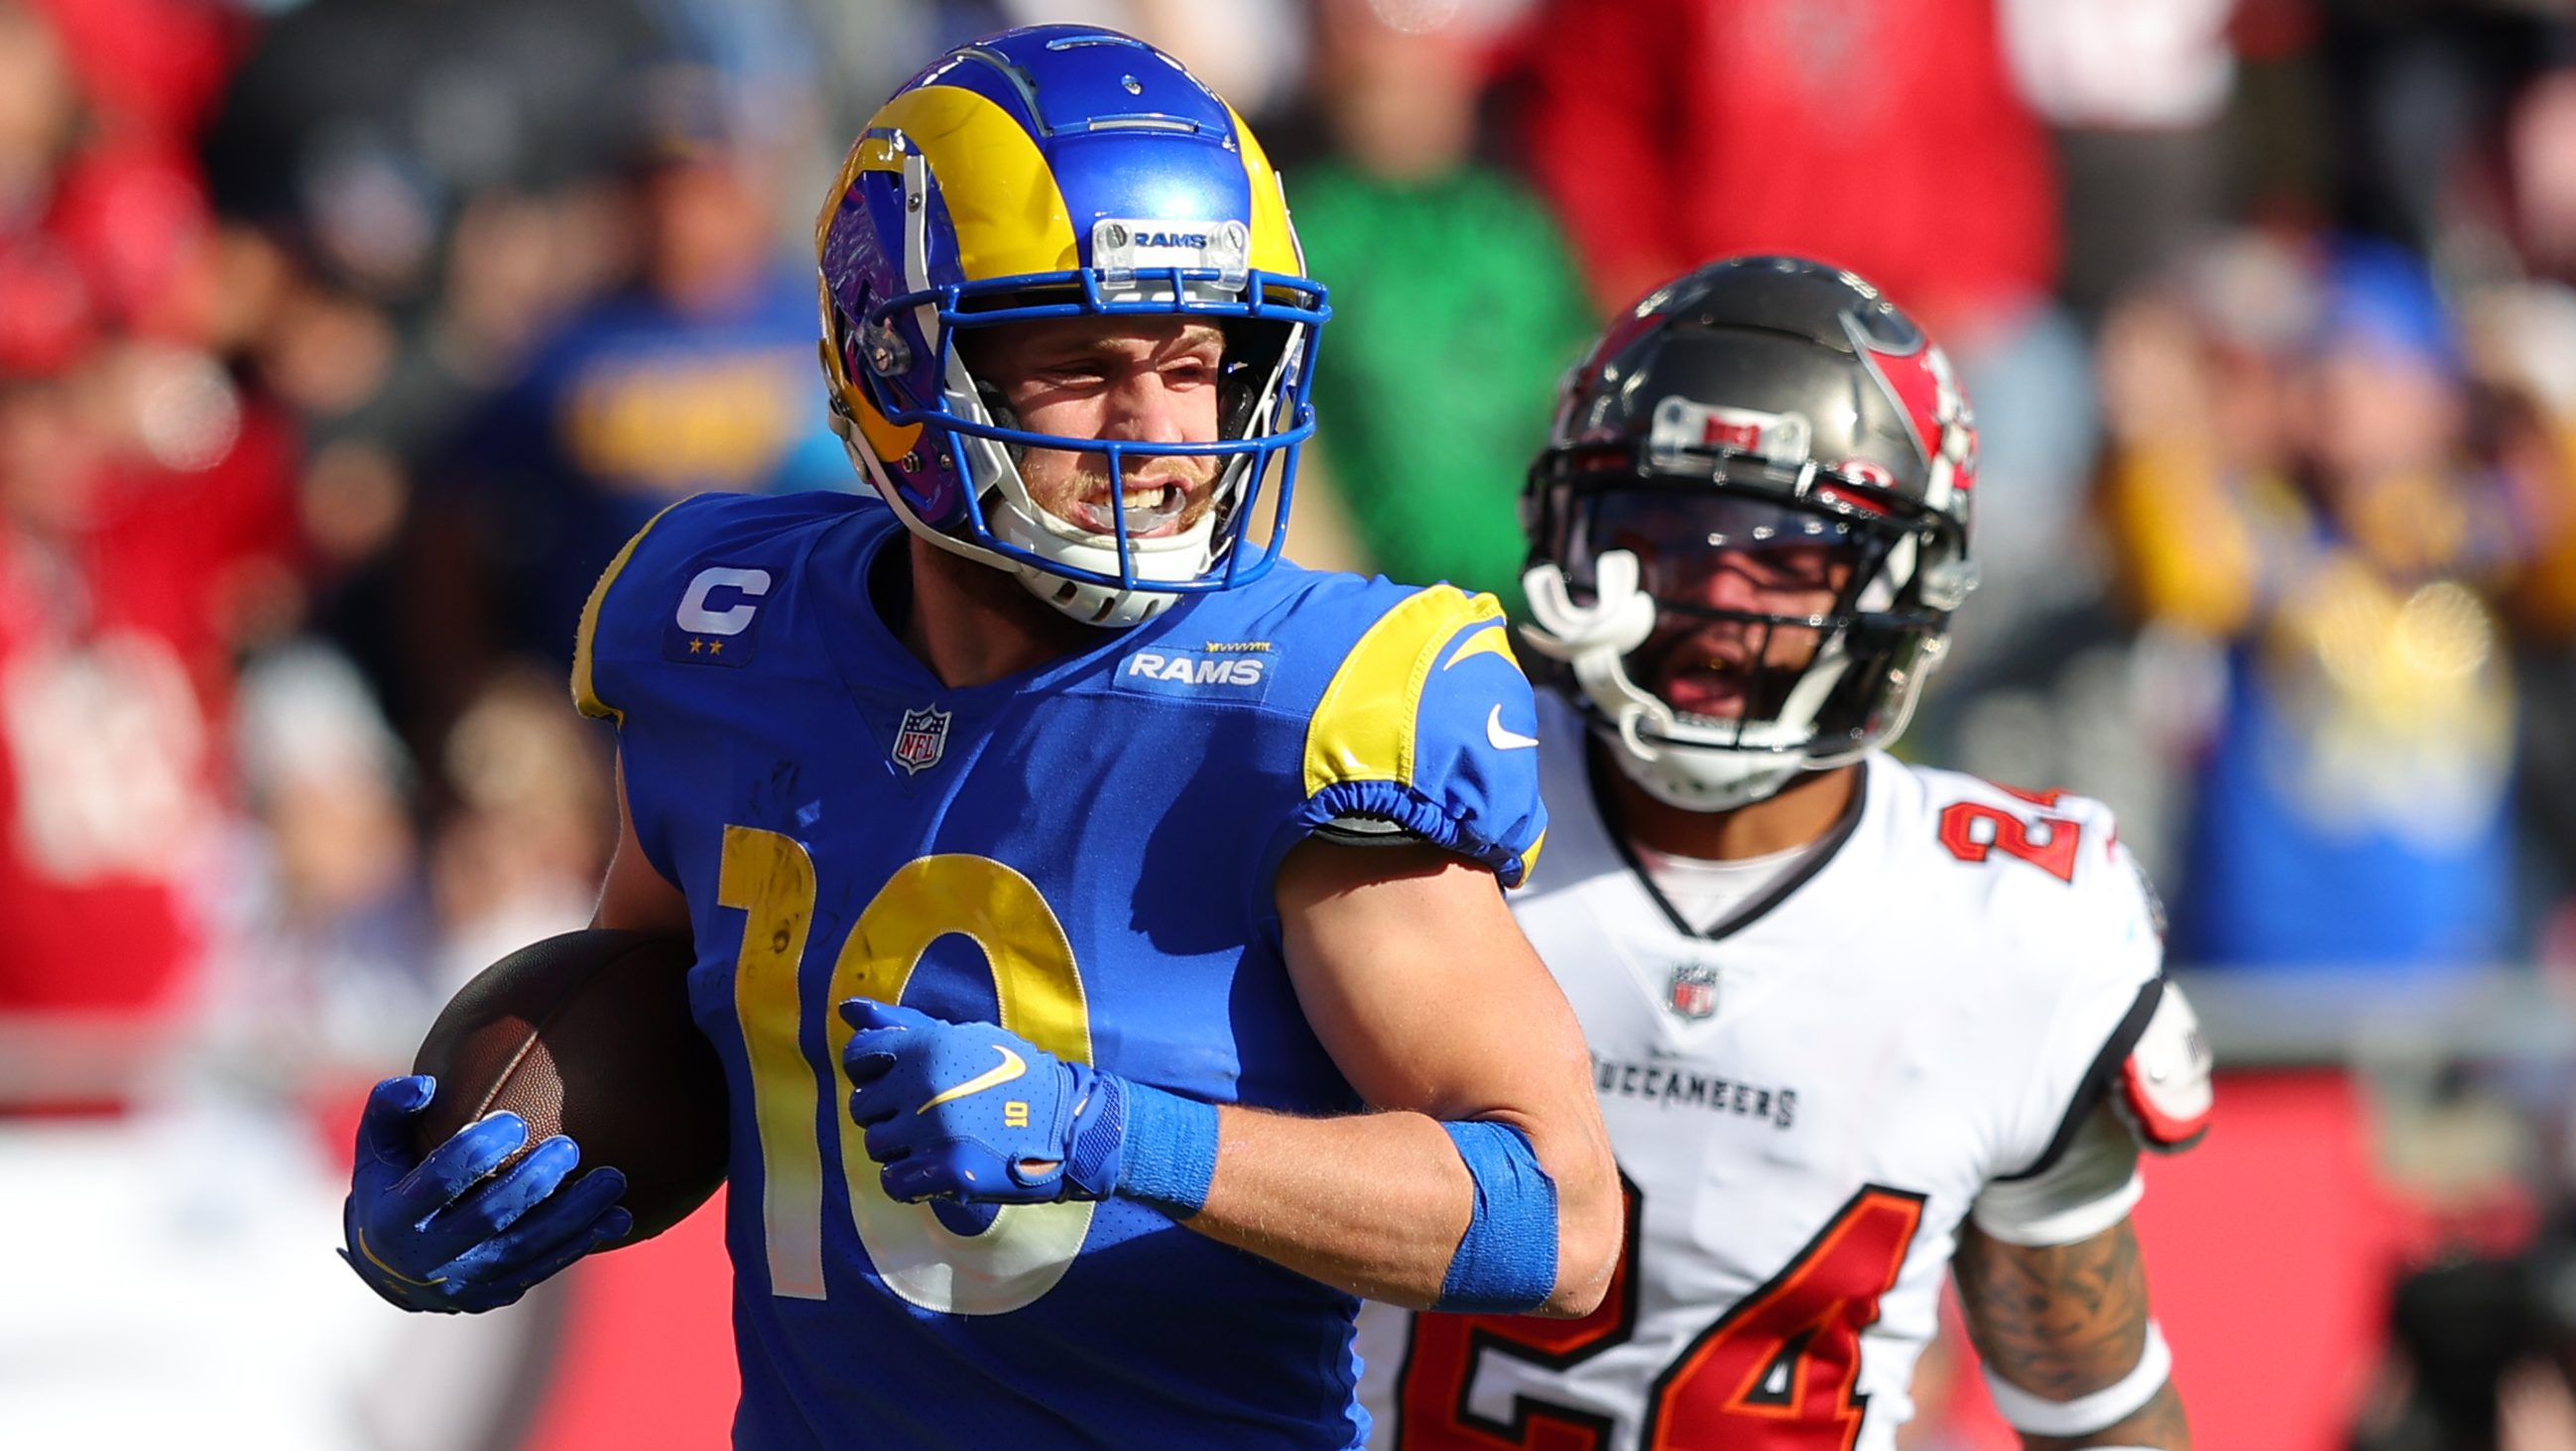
(1123, 379)
(1710, 668)
(1698, 555)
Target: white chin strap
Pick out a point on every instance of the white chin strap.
(1181, 556)
(1678, 763)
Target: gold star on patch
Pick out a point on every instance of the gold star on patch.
(697, 645)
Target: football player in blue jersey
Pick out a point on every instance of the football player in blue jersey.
(1098, 915)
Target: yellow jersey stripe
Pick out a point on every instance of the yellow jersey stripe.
(585, 690)
(1493, 639)
(1364, 727)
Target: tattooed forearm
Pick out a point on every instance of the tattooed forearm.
(2059, 1321)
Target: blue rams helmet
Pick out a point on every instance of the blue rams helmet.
(1050, 172)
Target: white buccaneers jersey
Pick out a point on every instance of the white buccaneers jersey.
(1804, 1104)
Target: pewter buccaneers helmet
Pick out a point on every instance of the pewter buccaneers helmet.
(1756, 402)
(1058, 171)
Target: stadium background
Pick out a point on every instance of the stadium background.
(342, 341)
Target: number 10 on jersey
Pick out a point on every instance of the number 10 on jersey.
(1038, 986)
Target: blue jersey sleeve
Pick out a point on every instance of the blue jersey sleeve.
(695, 587)
(1428, 727)
(610, 637)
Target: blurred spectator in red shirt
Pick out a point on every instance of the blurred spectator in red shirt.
(149, 69)
(146, 536)
(1883, 136)
(1880, 135)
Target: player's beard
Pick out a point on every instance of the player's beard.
(1166, 495)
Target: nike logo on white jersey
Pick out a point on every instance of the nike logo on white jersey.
(1506, 740)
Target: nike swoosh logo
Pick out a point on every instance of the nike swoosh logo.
(1506, 740)
(1011, 1067)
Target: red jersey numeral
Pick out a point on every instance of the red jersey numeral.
(1778, 1372)
(1775, 1373)
(1973, 831)
(1445, 1351)
(2043, 799)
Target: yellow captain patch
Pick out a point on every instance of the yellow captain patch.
(585, 691)
(1365, 725)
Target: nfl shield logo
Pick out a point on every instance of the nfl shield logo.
(1694, 991)
(923, 736)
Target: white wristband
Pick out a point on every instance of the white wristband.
(2084, 1415)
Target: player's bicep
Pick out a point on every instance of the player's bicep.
(634, 894)
(1417, 980)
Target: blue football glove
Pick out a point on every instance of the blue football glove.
(424, 1236)
(968, 1112)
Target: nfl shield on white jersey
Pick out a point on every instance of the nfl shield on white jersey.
(1804, 1105)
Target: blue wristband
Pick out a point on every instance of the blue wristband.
(1506, 1261)
(1169, 1157)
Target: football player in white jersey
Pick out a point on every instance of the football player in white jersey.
(1852, 1021)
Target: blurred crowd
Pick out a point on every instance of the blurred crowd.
(342, 342)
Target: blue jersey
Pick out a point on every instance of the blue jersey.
(1083, 853)
(631, 404)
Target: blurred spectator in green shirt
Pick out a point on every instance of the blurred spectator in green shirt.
(1456, 303)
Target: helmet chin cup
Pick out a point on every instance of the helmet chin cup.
(1091, 604)
(1593, 642)
(1182, 556)
(1701, 778)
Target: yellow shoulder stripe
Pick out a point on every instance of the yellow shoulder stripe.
(1492, 639)
(1365, 725)
(585, 692)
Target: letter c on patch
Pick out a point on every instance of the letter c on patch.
(697, 619)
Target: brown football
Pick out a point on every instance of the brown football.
(589, 1034)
